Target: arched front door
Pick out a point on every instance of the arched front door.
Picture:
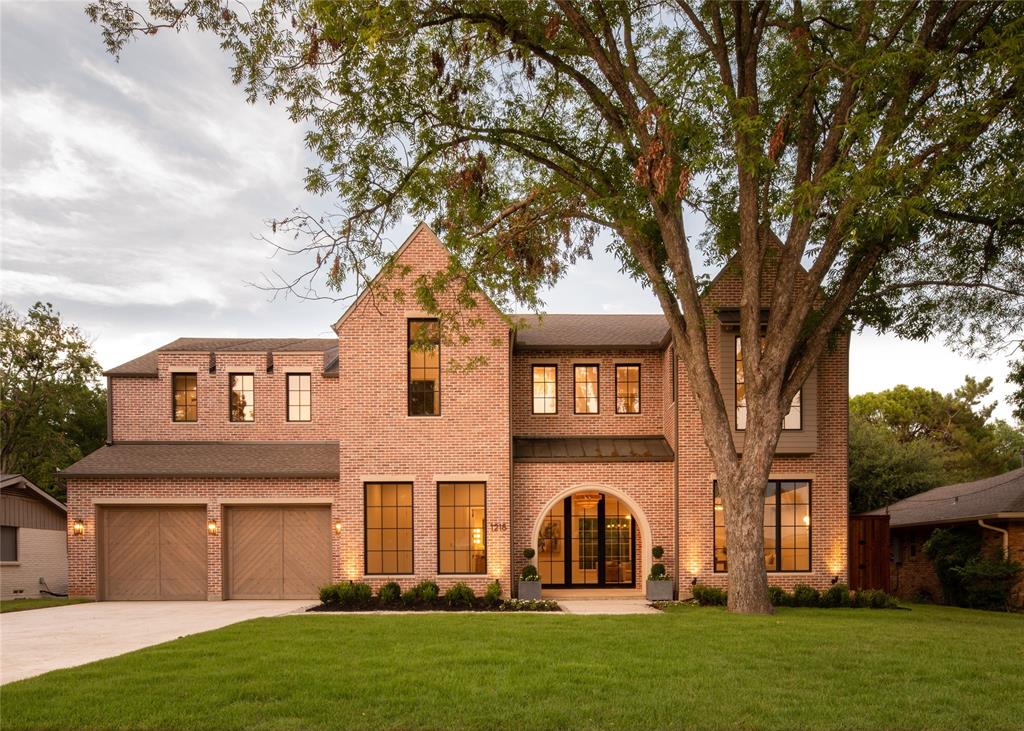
(588, 539)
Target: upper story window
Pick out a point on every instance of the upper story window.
(545, 389)
(242, 398)
(389, 528)
(424, 347)
(787, 527)
(793, 420)
(299, 397)
(184, 386)
(461, 534)
(627, 389)
(586, 387)
(8, 543)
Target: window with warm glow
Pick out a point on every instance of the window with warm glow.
(792, 421)
(424, 343)
(627, 389)
(586, 386)
(299, 397)
(242, 398)
(389, 528)
(545, 389)
(184, 386)
(787, 527)
(461, 528)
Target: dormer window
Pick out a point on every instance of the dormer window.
(792, 421)
(242, 398)
(184, 401)
(424, 347)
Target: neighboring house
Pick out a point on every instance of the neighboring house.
(994, 507)
(33, 540)
(265, 468)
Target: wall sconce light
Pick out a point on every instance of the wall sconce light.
(694, 582)
(211, 528)
(337, 527)
(835, 580)
(78, 527)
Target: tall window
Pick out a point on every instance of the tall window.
(184, 386)
(389, 528)
(793, 418)
(424, 368)
(8, 543)
(586, 383)
(545, 389)
(461, 533)
(627, 389)
(242, 398)
(787, 527)
(298, 397)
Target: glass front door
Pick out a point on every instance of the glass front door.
(588, 540)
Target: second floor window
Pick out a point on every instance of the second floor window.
(627, 389)
(793, 419)
(545, 389)
(242, 397)
(586, 381)
(298, 397)
(424, 344)
(184, 385)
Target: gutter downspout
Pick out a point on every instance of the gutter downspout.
(1006, 535)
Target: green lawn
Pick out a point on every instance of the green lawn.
(930, 668)
(20, 605)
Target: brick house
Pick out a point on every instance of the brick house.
(264, 468)
(993, 508)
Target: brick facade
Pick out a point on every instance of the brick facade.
(364, 408)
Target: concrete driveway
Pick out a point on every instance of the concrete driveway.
(40, 640)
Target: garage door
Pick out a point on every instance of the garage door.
(153, 553)
(278, 552)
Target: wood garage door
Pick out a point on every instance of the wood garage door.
(278, 552)
(153, 553)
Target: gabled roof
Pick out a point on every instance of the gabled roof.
(146, 365)
(1002, 495)
(610, 332)
(209, 459)
(20, 481)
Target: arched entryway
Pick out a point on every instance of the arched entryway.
(589, 537)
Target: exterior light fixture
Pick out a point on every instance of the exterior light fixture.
(337, 527)
(835, 580)
(694, 582)
(211, 527)
(78, 527)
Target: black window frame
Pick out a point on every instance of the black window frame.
(412, 531)
(639, 388)
(778, 529)
(408, 364)
(438, 531)
(597, 381)
(174, 396)
(736, 361)
(288, 397)
(231, 390)
(533, 403)
(4, 543)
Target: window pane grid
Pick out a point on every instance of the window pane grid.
(242, 400)
(627, 389)
(545, 389)
(185, 399)
(299, 397)
(389, 528)
(461, 528)
(424, 349)
(787, 527)
(586, 389)
(792, 421)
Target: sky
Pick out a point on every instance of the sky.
(134, 195)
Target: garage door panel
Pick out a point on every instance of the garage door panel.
(278, 552)
(153, 553)
(307, 551)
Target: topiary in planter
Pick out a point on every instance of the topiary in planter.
(657, 552)
(529, 577)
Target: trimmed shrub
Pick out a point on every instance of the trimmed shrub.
(709, 596)
(987, 581)
(460, 595)
(838, 595)
(354, 596)
(529, 553)
(779, 597)
(657, 552)
(492, 595)
(410, 597)
(806, 596)
(389, 593)
(529, 573)
(329, 593)
(427, 592)
(874, 599)
(657, 572)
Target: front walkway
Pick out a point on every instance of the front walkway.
(41, 640)
(637, 605)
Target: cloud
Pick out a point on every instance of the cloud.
(169, 291)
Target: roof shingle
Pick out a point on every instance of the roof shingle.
(146, 365)
(964, 501)
(610, 332)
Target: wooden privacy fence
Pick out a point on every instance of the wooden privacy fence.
(869, 552)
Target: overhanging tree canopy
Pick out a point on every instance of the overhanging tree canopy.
(874, 144)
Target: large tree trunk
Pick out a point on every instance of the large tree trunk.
(743, 500)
